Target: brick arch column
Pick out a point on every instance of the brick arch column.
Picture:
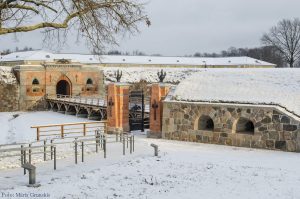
(158, 94)
(118, 108)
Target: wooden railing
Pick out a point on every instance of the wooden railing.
(97, 101)
(69, 129)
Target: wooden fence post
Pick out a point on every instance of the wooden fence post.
(84, 129)
(38, 134)
(62, 131)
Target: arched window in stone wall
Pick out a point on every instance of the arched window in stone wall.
(35, 81)
(245, 126)
(89, 84)
(206, 123)
(35, 85)
(89, 81)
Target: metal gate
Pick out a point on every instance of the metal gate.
(138, 111)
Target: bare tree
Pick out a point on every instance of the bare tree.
(285, 37)
(99, 21)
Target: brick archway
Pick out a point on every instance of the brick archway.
(64, 86)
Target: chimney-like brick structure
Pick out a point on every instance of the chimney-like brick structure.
(118, 108)
(158, 94)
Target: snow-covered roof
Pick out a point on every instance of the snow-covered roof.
(150, 60)
(28, 55)
(251, 86)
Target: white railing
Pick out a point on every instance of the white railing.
(97, 101)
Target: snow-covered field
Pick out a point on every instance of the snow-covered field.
(182, 170)
(254, 86)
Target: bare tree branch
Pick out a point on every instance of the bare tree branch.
(99, 21)
(285, 37)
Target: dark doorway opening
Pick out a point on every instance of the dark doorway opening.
(205, 123)
(63, 88)
(245, 126)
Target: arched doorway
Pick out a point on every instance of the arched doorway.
(205, 123)
(63, 87)
(244, 126)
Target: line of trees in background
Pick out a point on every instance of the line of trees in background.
(17, 49)
(267, 53)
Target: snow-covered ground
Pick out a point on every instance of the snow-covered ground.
(254, 86)
(182, 170)
(17, 129)
(136, 74)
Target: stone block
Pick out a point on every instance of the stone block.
(228, 141)
(288, 127)
(262, 128)
(199, 138)
(280, 145)
(285, 120)
(274, 135)
(275, 118)
(225, 135)
(266, 120)
(270, 144)
(205, 139)
(215, 138)
(291, 146)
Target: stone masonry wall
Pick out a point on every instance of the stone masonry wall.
(272, 128)
(9, 97)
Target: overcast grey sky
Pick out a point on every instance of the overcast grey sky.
(182, 27)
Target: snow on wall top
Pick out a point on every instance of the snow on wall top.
(110, 59)
(254, 86)
(6, 75)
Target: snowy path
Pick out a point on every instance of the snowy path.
(184, 170)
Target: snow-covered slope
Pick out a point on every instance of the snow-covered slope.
(6, 75)
(135, 74)
(254, 86)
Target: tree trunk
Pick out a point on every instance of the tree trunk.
(291, 62)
